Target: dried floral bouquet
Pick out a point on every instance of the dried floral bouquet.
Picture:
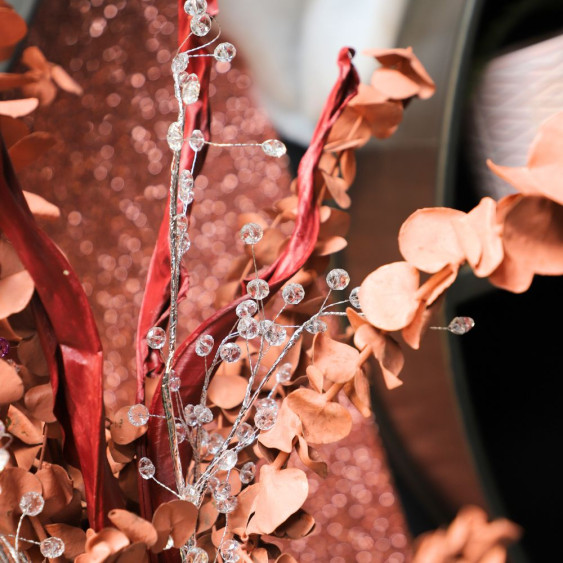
(201, 467)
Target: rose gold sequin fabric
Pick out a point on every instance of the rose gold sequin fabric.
(109, 175)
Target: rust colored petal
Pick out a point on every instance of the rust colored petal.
(428, 240)
(282, 492)
(323, 421)
(388, 295)
(336, 360)
(281, 435)
(137, 529)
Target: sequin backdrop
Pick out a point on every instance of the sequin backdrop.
(109, 175)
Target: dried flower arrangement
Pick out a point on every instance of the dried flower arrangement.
(259, 380)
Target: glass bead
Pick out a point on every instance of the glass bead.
(190, 415)
(258, 289)
(200, 25)
(169, 543)
(273, 147)
(267, 403)
(4, 459)
(461, 325)
(180, 62)
(204, 414)
(204, 345)
(52, 547)
(213, 483)
(293, 293)
(247, 308)
(184, 243)
(215, 443)
(355, 298)
(197, 555)
(227, 505)
(228, 460)
(195, 7)
(196, 140)
(146, 468)
(190, 89)
(225, 52)
(337, 279)
(247, 472)
(251, 233)
(265, 419)
(203, 438)
(222, 490)
(181, 432)
(181, 224)
(174, 383)
(315, 326)
(138, 415)
(228, 551)
(230, 352)
(245, 434)
(32, 503)
(189, 493)
(175, 136)
(274, 334)
(283, 375)
(2, 428)
(156, 338)
(4, 347)
(248, 328)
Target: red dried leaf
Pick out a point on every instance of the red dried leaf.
(323, 421)
(282, 492)
(388, 296)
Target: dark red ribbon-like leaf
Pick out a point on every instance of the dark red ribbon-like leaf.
(70, 342)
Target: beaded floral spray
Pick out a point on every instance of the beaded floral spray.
(206, 459)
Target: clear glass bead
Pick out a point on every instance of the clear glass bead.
(315, 326)
(175, 136)
(185, 187)
(190, 415)
(247, 308)
(293, 293)
(181, 432)
(190, 89)
(146, 468)
(267, 403)
(180, 62)
(228, 551)
(156, 338)
(184, 243)
(222, 490)
(52, 547)
(337, 279)
(203, 413)
(189, 493)
(204, 345)
(169, 543)
(245, 434)
(258, 289)
(274, 334)
(230, 352)
(195, 7)
(174, 383)
(283, 375)
(251, 233)
(355, 298)
(247, 327)
(227, 505)
(461, 325)
(225, 52)
(273, 147)
(138, 415)
(247, 473)
(213, 483)
(203, 438)
(181, 224)
(215, 443)
(32, 503)
(265, 419)
(197, 555)
(228, 460)
(196, 140)
(200, 25)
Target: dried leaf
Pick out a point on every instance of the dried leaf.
(337, 361)
(176, 518)
(428, 241)
(39, 401)
(337, 188)
(238, 519)
(357, 391)
(323, 422)
(282, 492)
(102, 544)
(412, 333)
(388, 295)
(18, 108)
(12, 388)
(15, 293)
(137, 529)
(74, 538)
(14, 483)
(20, 426)
(227, 391)
(297, 526)
(286, 427)
(436, 284)
(135, 553)
(57, 488)
(12, 26)
(28, 149)
(12, 129)
(208, 516)
(122, 431)
(41, 208)
(65, 81)
(316, 378)
(311, 458)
